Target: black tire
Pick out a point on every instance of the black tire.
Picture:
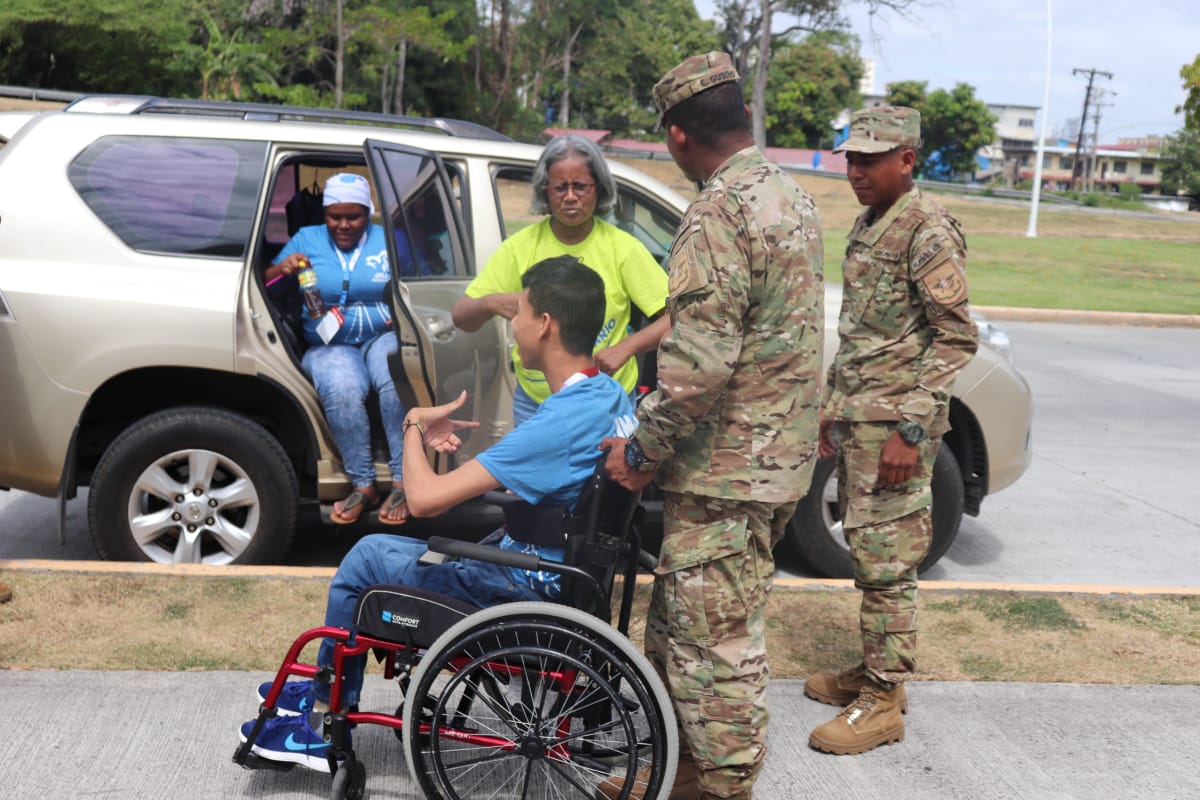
(242, 510)
(525, 699)
(349, 782)
(814, 533)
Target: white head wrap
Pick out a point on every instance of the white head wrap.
(346, 187)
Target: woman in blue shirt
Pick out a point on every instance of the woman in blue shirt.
(348, 347)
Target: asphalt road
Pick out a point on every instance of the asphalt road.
(1111, 496)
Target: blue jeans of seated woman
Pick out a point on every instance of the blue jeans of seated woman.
(344, 375)
(384, 558)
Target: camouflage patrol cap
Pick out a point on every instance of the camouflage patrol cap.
(877, 130)
(691, 77)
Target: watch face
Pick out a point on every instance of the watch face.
(633, 454)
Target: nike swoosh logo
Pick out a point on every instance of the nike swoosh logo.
(290, 743)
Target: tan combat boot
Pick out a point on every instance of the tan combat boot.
(841, 688)
(687, 783)
(873, 719)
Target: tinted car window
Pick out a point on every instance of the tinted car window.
(180, 196)
(419, 195)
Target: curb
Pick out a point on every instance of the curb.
(1080, 317)
(143, 569)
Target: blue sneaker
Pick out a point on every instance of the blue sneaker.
(295, 698)
(291, 740)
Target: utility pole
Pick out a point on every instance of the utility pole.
(1095, 143)
(1076, 168)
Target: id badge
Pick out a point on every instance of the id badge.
(328, 327)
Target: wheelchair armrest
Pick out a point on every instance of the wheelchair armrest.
(500, 499)
(507, 558)
(486, 552)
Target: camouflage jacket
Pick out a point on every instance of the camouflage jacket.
(735, 412)
(904, 330)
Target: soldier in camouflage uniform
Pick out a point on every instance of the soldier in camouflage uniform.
(731, 432)
(905, 332)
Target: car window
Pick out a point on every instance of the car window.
(650, 222)
(513, 195)
(420, 195)
(180, 196)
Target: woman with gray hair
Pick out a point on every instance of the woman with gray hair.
(572, 185)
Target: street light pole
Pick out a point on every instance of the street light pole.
(1041, 142)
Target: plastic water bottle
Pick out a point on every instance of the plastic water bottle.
(313, 303)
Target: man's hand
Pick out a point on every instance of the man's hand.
(897, 461)
(439, 429)
(825, 445)
(611, 359)
(617, 470)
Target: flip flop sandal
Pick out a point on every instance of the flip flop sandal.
(358, 500)
(395, 498)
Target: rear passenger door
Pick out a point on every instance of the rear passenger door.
(431, 258)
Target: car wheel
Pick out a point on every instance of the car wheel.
(193, 485)
(815, 531)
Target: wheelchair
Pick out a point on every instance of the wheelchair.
(519, 700)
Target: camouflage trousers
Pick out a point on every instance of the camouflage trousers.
(706, 631)
(889, 531)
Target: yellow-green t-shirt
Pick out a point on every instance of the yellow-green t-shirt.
(628, 270)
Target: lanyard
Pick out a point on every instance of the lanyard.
(590, 372)
(348, 267)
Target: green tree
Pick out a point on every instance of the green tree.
(1191, 85)
(623, 61)
(908, 93)
(227, 62)
(97, 45)
(954, 125)
(810, 83)
(751, 36)
(1180, 163)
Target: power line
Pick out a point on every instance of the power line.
(1076, 167)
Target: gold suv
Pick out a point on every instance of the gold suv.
(143, 357)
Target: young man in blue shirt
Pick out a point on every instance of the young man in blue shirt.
(547, 459)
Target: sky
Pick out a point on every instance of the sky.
(1000, 49)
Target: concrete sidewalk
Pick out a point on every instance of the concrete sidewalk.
(155, 735)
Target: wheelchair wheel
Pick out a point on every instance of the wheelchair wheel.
(349, 782)
(529, 700)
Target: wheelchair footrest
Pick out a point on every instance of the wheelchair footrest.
(253, 761)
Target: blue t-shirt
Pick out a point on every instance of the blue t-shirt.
(550, 457)
(362, 306)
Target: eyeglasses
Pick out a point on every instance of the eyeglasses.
(580, 189)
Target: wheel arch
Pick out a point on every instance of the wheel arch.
(127, 397)
(965, 440)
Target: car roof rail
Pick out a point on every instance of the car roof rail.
(266, 112)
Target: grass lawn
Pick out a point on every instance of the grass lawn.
(1081, 258)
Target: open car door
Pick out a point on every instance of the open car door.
(431, 265)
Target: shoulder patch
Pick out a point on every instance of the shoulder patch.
(945, 284)
(685, 273)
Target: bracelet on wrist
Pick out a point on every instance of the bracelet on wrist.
(412, 423)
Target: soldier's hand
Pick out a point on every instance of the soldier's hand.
(897, 460)
(616, 468)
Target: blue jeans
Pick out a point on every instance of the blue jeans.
(344, 375)
(384, 558)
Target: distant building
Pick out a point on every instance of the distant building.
(1133, 161)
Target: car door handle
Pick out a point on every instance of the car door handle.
(440, 329)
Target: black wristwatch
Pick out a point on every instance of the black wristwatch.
(911, 432)
(635, 457)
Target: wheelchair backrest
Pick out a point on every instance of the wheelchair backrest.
(598, 536)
